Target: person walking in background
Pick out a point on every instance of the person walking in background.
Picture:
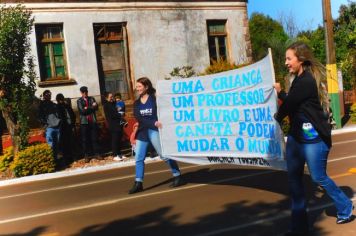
(87, 108)
(309, 138)
(113, 119)
(145, 112)
(50, 118)
(66, 130)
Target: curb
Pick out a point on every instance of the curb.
(345, 129)
(73, 172)
(126, 163)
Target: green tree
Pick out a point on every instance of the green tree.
(267, 33)
(17, 76)
(316, 41)
(345, 39)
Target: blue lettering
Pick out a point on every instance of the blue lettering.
(187, 87)
(249, 78)
(221, 144)
(240, 144)
(264, 147)
(247, 113)
(258, 130)
(183, 101)
(250, 130)
(179, 132)
(184, 115)
(242, 128)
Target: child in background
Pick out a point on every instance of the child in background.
(120, 106)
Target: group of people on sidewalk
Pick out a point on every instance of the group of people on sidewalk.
(309, 138)
(59, 119)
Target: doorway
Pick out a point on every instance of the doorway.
(112, 59)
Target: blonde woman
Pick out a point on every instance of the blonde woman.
(309, 138)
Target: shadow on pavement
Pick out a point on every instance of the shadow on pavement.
(235, 219)
(35, 232)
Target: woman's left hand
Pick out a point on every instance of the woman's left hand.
(277, 87)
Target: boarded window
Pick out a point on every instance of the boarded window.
(51, 52)
(112, 56)
(217, 40)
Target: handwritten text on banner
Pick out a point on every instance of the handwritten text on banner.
(222, 118)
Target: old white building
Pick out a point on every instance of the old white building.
(107, 45)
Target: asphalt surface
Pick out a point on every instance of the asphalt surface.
(217, 200)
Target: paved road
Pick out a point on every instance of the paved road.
(218, 200)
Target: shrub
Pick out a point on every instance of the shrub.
(220, 66)
(353, 112)
(33, 160)
(182, 72)
(285, 126)
(6, 159)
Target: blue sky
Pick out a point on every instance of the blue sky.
(308, 13)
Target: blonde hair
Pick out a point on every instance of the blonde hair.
(318, 70)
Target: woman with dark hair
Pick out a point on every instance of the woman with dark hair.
(309, 138)
(145, 111)
(113, 119)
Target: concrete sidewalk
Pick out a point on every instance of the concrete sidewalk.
(125, 163)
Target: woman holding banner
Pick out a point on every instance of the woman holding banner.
(145, 112)
(309, 138)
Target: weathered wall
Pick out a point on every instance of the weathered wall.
(161, 36)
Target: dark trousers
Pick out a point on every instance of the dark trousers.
(66, 142)
(89, 136)
(116, 137)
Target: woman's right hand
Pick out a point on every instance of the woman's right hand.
(158, 124)
(277, 87)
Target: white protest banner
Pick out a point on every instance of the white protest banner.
(222, 118)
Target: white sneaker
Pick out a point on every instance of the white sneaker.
(118, 158)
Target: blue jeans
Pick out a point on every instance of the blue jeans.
(52, 138)
(315, 155)
(140, 155)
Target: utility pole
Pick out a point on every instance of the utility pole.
(332, 79)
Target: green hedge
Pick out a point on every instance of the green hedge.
(33, 160)
(6, 159)
(353, 112)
